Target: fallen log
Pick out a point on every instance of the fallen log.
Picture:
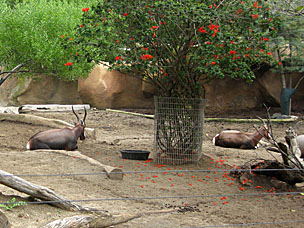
(37, 120)
(112, 172)
(206, 119)
(4, 223)
(99, 221)
(51, 107)
(39, 192)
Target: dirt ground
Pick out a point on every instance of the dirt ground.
(201, 197)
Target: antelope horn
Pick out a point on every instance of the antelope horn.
(85, 114)
(75, 114)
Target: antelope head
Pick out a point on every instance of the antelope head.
(80, 124)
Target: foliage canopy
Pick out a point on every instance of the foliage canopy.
(31, 33)
(178, 46)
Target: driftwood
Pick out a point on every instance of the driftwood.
(289, 171)
(99, 221)
(206, 119)
(131, 113)
(51, 108)
(38, 191)
(4, 223)
(37, 120)
(112, 172)
(293, 153)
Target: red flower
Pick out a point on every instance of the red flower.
(254, 16)
(202, 30)
(80, 26)
(155, 27)
(232, 52)
(213, 63)
(255, 4)
(146, 57)
(118, 58)
(85, 9)
(239, 11)
(68, 64)
(125, 14)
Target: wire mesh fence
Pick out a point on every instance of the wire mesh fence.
(178, 130)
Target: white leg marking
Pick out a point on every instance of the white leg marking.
(28, 146)
(213, 140)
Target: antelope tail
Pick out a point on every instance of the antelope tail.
(28, 146)
(214, 138)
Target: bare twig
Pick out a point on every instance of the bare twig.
(11, 72)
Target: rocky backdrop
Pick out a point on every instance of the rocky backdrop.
(105, 89)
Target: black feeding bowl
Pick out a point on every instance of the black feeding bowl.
(135, 154)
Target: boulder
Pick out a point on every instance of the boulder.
(233, 95)
(112, 89)
(39, 90)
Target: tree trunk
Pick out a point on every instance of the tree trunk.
(38, 191)
(4, 223)
(112, 172)
(285, 100)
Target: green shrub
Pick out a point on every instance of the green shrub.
(31, 33)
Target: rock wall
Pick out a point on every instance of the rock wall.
(41, 90)
(111, 89)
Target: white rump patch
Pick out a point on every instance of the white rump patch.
(230, 131)
(28, 146)
(213, 140)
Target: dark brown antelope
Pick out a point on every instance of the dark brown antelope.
(238, 139)
(59, 139)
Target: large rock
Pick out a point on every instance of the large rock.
(233, 95)
(270, 87)
(112, 89)
(41, 90)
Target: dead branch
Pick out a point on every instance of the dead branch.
(99, 221)
(38, 191)
(294, 152)
(9, 73)
(290, 156)
(4, 223)
(112, 172)
(37, 120)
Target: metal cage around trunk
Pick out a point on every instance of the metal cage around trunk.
(178, 130)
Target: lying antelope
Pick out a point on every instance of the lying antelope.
(238, 139)
(59, 139)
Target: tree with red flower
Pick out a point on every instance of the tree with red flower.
(168, 37)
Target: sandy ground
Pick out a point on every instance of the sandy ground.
(201, 197)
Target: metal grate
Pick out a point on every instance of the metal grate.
(178, 130)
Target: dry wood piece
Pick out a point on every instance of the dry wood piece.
(99, 221)
(37, 120)
(38, 191)
(80, 221)
(52, 107)
(112, 172)
(4, 223)
(294, 153)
